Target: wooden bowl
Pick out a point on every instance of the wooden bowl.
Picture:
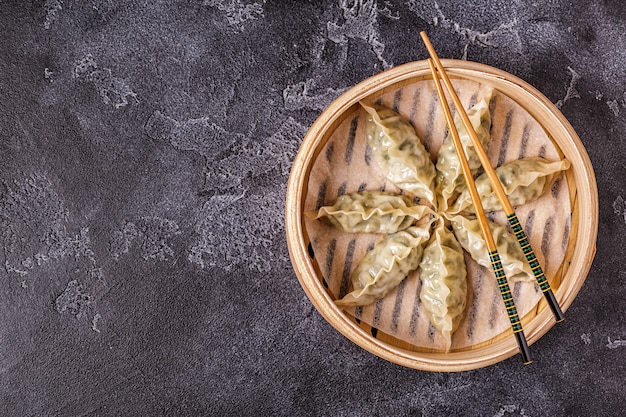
(566, 278)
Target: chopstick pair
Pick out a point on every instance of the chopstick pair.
(437, 71)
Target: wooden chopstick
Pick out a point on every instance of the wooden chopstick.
(498, 270)
(509, 211)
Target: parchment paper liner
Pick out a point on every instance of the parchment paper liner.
(345, 165)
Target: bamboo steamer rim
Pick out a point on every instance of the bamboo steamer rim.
(585, 208)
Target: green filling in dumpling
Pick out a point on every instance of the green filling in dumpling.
(399, 153)
(444, 285)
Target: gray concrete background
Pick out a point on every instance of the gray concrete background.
(144, 154)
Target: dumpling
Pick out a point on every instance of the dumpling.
(444, 285)
(524, 180)
(386, 265)
(399, 152)
(450, 179)
(371, 212)
(469, 235)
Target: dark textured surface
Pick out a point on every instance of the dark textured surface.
(144, 154)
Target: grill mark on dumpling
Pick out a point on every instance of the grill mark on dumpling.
(556, 186)
(505, 137)
(431, 120)
(397, 306)
(542, 151)
(342, 189)
(415, 314)
(396, 100)
(524, 144)
(351, 136)
(345, 277)
(368, 154)
(545, 241)
(321, 195)
(329, 152)
(474, 307)
(362, 187)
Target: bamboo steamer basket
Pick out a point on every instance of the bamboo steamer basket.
(566, 283)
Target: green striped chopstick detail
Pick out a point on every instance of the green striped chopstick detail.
(528, 252)
(505, 291)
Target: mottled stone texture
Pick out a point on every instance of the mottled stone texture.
(144, 154)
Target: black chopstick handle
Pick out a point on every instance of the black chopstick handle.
(509, 304)
(544, 285)
(554, 306)
(523, 348)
